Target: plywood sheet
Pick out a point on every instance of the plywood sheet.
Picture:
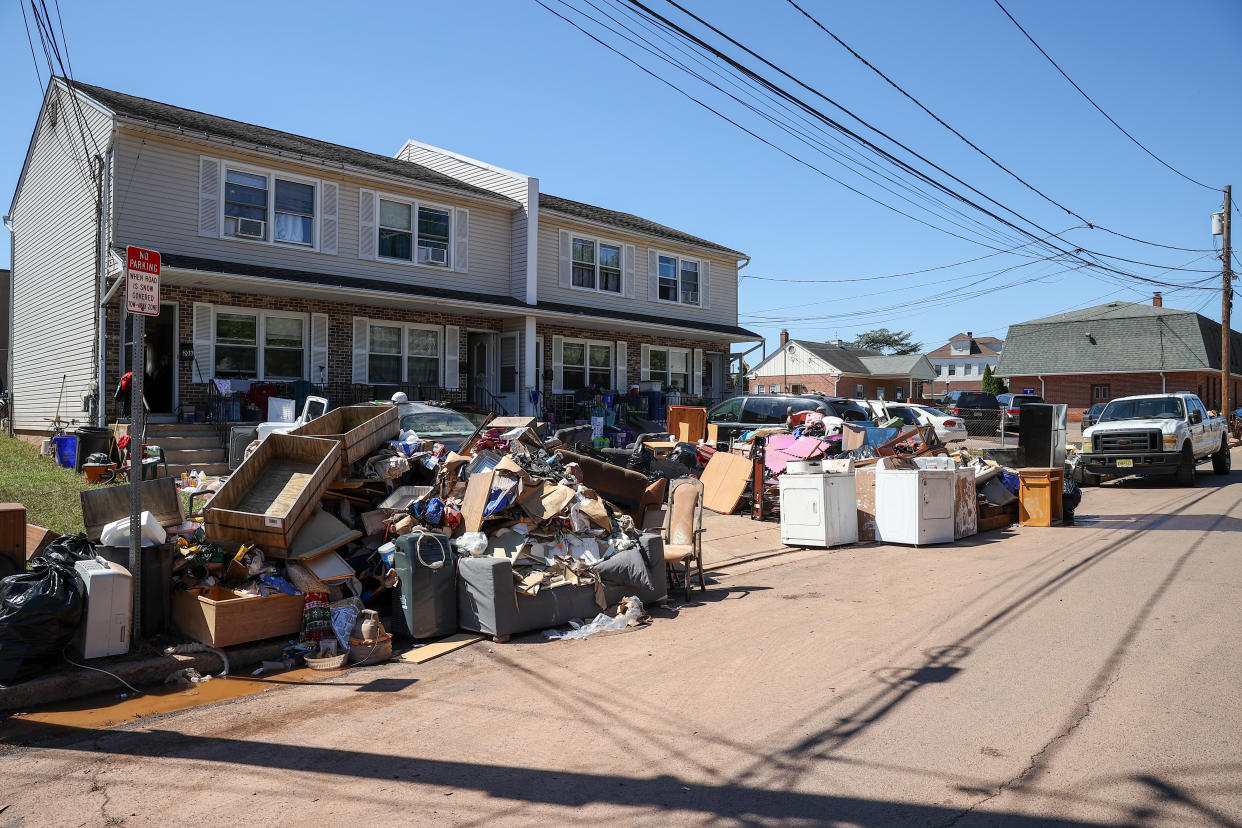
(724, 481)
(436, 649)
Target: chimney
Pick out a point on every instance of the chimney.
(784, 337)
(970, 334)
(1157, 301)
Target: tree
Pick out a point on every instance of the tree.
(888, 342)
(992, 383)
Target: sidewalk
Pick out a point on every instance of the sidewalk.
(734, 539)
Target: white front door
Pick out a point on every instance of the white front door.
(510, 383)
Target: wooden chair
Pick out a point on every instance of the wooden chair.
(683, 530)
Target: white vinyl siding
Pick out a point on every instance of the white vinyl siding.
(157, 200)
(54, 270)
(516, 186)
(717, 275)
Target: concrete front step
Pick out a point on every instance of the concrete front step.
(211, 469)
(180, 430)
(190, 456)
(204, 441)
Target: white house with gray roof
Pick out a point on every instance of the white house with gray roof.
(291, 262)
(839, 370)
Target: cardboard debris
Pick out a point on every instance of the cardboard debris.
(477, 490)
(328, 567)
(546, 501)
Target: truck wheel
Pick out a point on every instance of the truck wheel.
(1186, 468)
(1221, 460)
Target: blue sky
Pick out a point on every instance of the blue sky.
(507, 82)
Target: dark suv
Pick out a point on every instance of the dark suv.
(979, 410)
(737, 415)
(1011, 406)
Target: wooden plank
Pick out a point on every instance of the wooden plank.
(444, 646)
(475, 501)
(37, 539)
(510, 423)
(724, 481)
(864, 485)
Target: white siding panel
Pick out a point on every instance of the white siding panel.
(157, 206)
(499, 181)
(722, 273)
(54, 270)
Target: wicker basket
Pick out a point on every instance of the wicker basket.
(370, 652)
(335, 662)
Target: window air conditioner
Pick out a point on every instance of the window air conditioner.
(434, 255)
(251, 228)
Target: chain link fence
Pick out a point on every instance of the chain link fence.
(995, 430)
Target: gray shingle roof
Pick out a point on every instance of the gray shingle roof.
(906, 365)
(143, 109)
(1124, 336)
(627, 221)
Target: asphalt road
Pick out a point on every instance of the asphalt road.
(1075, 676)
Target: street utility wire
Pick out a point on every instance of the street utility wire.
(1098, 108)
(696, 41)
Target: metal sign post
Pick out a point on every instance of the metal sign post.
(142, 299)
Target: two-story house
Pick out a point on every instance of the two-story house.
(289, 259)
(959, 363)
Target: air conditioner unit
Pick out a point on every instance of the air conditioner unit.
(434, 255)
(251, 228)
(104, 629)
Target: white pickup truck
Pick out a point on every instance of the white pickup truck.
(1156, 434)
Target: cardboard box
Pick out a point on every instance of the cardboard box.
(220, 617)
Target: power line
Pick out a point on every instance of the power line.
(752, 133)
(1096, 105)
(694, 40)
(970, 143)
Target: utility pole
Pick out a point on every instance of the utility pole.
(1226, 304)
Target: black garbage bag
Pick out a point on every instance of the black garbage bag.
(687, 454)
(1071, 496)
(40, 609)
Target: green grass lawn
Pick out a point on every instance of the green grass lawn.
(49, 493)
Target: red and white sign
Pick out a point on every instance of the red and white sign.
(142, 281)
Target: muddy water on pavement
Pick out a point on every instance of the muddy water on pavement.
(111, 709)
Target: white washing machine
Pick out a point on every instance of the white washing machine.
(914, 506)
(818, 509)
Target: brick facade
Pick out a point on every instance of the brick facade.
(339, 379)
(1075, 390)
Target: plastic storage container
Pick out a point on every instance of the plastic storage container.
(425, 601)
(66, 449)
(818, 509)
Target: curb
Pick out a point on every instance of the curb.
(140, 672)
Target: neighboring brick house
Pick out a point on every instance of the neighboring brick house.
(288, 259)
(959, 363)
(839, 370)
(1116, 350)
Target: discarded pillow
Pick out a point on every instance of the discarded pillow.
(627, 569)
